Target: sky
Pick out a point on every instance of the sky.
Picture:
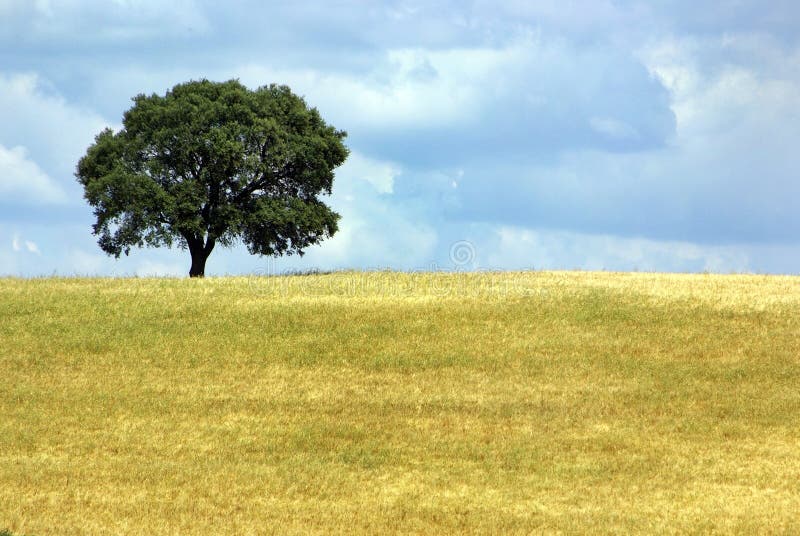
(659, 135)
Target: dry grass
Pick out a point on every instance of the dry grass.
(385, 402)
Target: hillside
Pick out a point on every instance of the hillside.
(414, 403)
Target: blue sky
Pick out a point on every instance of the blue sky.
(597, 134)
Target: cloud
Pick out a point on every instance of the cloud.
(643, 134)
(42, 136)
(543, 249)
(36, 117)
(779, 18)
(376, 229)
(728, 175)
(29, 246)
(86, 22)
(24, 181)
(526, 99)
(381, 175)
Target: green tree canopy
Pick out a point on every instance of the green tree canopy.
(214, 163)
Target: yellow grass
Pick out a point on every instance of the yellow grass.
(407, 403)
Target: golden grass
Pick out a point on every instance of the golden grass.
(401, 403)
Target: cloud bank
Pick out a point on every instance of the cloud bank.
(598, 134)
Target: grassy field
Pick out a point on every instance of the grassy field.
(384, 402)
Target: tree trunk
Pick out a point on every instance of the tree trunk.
(198, 268)
(200, 255)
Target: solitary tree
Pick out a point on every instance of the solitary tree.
(214, 163)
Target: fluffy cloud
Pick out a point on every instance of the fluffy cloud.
(375, 231)
(526, 248)
(42, 136)
(728, 175)
(23, 180)
(525, 99)
(381, 175)
(37, 117)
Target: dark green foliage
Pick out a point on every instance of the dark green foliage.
(214, 163)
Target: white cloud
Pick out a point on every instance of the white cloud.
(413, 88)
(376, 229)
(719, 83)
(23, 181)
(364, 241)
(381, 175)
(532, 248)
(36, 117)
(727, 176)
(30, 246)
(389, 97)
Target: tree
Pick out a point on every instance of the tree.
(214, 163)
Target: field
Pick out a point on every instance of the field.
(401, 403)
